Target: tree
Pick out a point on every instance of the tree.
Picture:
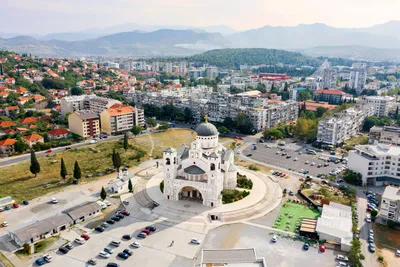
(396, 114)
(103, 193)
(244, 124)
(35, 166)
(63, 171)
(223, 130)
(352, 177)
(126, 142)
(77, 171)
(117, 161)
(20, 146)
(320, 111)
(286, 87)
(164, 126)
(76, 91)
(188, 114)
(136, 130)
(130, 186)
(391, 224)
(272, 133)
(151, 122)
(229, 123)
(304, 95)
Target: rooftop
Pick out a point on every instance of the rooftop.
(330, 92)
(335, 220)
(82, 210)
(231, 257)
(86, 114)
(380, 150)
(392, 193)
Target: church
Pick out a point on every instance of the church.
(199, 172)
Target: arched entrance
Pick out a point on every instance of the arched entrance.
(190, 193)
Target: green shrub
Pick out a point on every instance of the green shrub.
(253, 167)
(232, 195)
(162, 186)
(244, 182)
(391, 224)
(380, 258)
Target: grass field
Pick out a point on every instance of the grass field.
(386, 237)
(357, 140)
(292, 213)
(17, 181)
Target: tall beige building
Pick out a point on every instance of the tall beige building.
(84, 123)
(120, 118)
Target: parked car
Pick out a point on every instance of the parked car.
(1, 209)
(135, 244)
(306, 246)
(99, 229)
(142, 235)
(68, 148)
(342, 258)
(85, 236)
(112, 264)
(49, 151)
(123, 255)
(47, 257)
(110, 221)
(104, 254)
(109, 250)
(69, 246)
(40, 261)
(115, 218)
(93, 141)
(92, 261)
(115, 243)
(371, 248)
(341, 264)
(80, 240)
(147, 232)
(195, 241)
(63, 250)
(274, 239)
(108, 203)
(128, 251)
(104, 225)
(120, 216)
(151, 228)
(54, 200)
(4, 224)
(127, 237)
(126, 213)
(15, 205)
(398, 253)
(7, 207)
(322, 248)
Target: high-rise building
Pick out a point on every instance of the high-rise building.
(358, 76)
(84, 123)
(168, 67)
(212, 72)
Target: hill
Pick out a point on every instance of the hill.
(233, 58)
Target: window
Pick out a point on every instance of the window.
(212, 167)
(168, 161)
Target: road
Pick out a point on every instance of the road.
(370, 258)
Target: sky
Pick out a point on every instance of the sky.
(53, 16)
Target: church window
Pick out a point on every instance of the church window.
(174, 160)
(212, 167)
(168, 161)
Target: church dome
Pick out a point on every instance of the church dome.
(206, 129)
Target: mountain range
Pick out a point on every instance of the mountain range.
(377, 42)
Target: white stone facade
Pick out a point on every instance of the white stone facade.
(199, 172)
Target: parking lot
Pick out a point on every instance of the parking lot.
(299, 159)
(155, 250)
(283, 253)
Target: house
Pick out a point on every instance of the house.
(22, 100)
(58, 134)
(331, 96)
(3, 94)
(6, 124)
(38, 98)
(33, 139)
(41, 229)
(7, 146)
(28, 120)
(10, 81)
(335, 225)
(21, 91)
(83, 212)
(11, 111)
(390, 205)
(120, 184)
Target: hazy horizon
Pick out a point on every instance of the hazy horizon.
(55, 16)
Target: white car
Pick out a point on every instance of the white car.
(47, 257)
(107, 203)
(93, 142)
(104, 254)
(312, 163)
(296, 159)
(307, 162)
(4, 224)
(368, 220)
(398, 252)
(1, 209)
(341, 258)
(80, 240)
(102, 204)
(135, 244)
(278, 152)
(54, 200)
(274, 238)
(195, 241)
(341, 264)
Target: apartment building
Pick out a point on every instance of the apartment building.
(380, 103)
(333, 131)
(390, 205)
(378, 164)
(386, 135)
(280, 112)
(358, 76)
(84, 123)
(120, 118)
(93, 103)
(330, 96)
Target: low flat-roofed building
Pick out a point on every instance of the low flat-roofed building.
(238, 257)
(335, 225)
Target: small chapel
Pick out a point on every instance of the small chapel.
(199, 172)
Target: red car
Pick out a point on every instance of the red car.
(240, 138)
(85, 236)
(283, 174)
(236, 137)
(147, 232)
(322, 248)
(68, 148)
(126, 213)
(15, 205)
(49, 151)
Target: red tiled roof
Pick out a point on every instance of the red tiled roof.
(28, 120)
(12, 108)
(330, 92)
(59, 131)
(6, 123)
(7, 142)
(33, 137)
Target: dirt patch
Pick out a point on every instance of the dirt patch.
(233, 235)
(386, 237)
(390, 259)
